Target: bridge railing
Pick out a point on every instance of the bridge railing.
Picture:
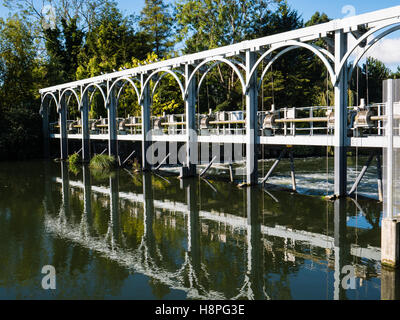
(315, 120)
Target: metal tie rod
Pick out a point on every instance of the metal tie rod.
(103, 151)
(208, 167)
(163, 161)
(273, 167)
(361, 175)
(128, 157)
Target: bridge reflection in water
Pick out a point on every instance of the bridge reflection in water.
(203, 243)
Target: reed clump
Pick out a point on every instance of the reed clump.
(74, 159)
(102, 162)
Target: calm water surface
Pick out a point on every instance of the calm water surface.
(144, 236)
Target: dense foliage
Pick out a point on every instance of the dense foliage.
(85, 38)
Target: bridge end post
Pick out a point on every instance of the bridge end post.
(390, 244)
(251, 121)
(390, 230)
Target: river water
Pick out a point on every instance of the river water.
(130, 235)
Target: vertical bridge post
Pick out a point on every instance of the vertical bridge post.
(112, 124)
(340, 116)
(63, 129)
(251, 121)
(189, 168)
(85, 128)
(146, 133)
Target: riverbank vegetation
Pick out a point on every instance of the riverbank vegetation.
(71, 40)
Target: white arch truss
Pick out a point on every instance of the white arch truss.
(219, 60)
(165, 70)
(323, 54)
(125, 81)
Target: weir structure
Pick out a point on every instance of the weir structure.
(348, 40)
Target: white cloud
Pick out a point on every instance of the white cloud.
(386, 50)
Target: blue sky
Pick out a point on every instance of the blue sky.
(333, 8)
(386, 50)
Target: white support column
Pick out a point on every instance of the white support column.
(388, 159)
(112, 125)
(189, 168)
(341, 98)
(63, 129)
(146, 133)
(251, 122)
(85, 128)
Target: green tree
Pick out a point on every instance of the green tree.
(20, 80)
(63, 49)
(396, 74)
(213, 23)
(110, 45)
(376, 71)
(157, 23)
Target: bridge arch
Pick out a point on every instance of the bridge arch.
(125, 81)
(165, 70)
(369, 46)
(217, 60)
(323, 54)
(363, 38)
(97, 87)
(52, 98)
(160, 78)
(71, 91)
